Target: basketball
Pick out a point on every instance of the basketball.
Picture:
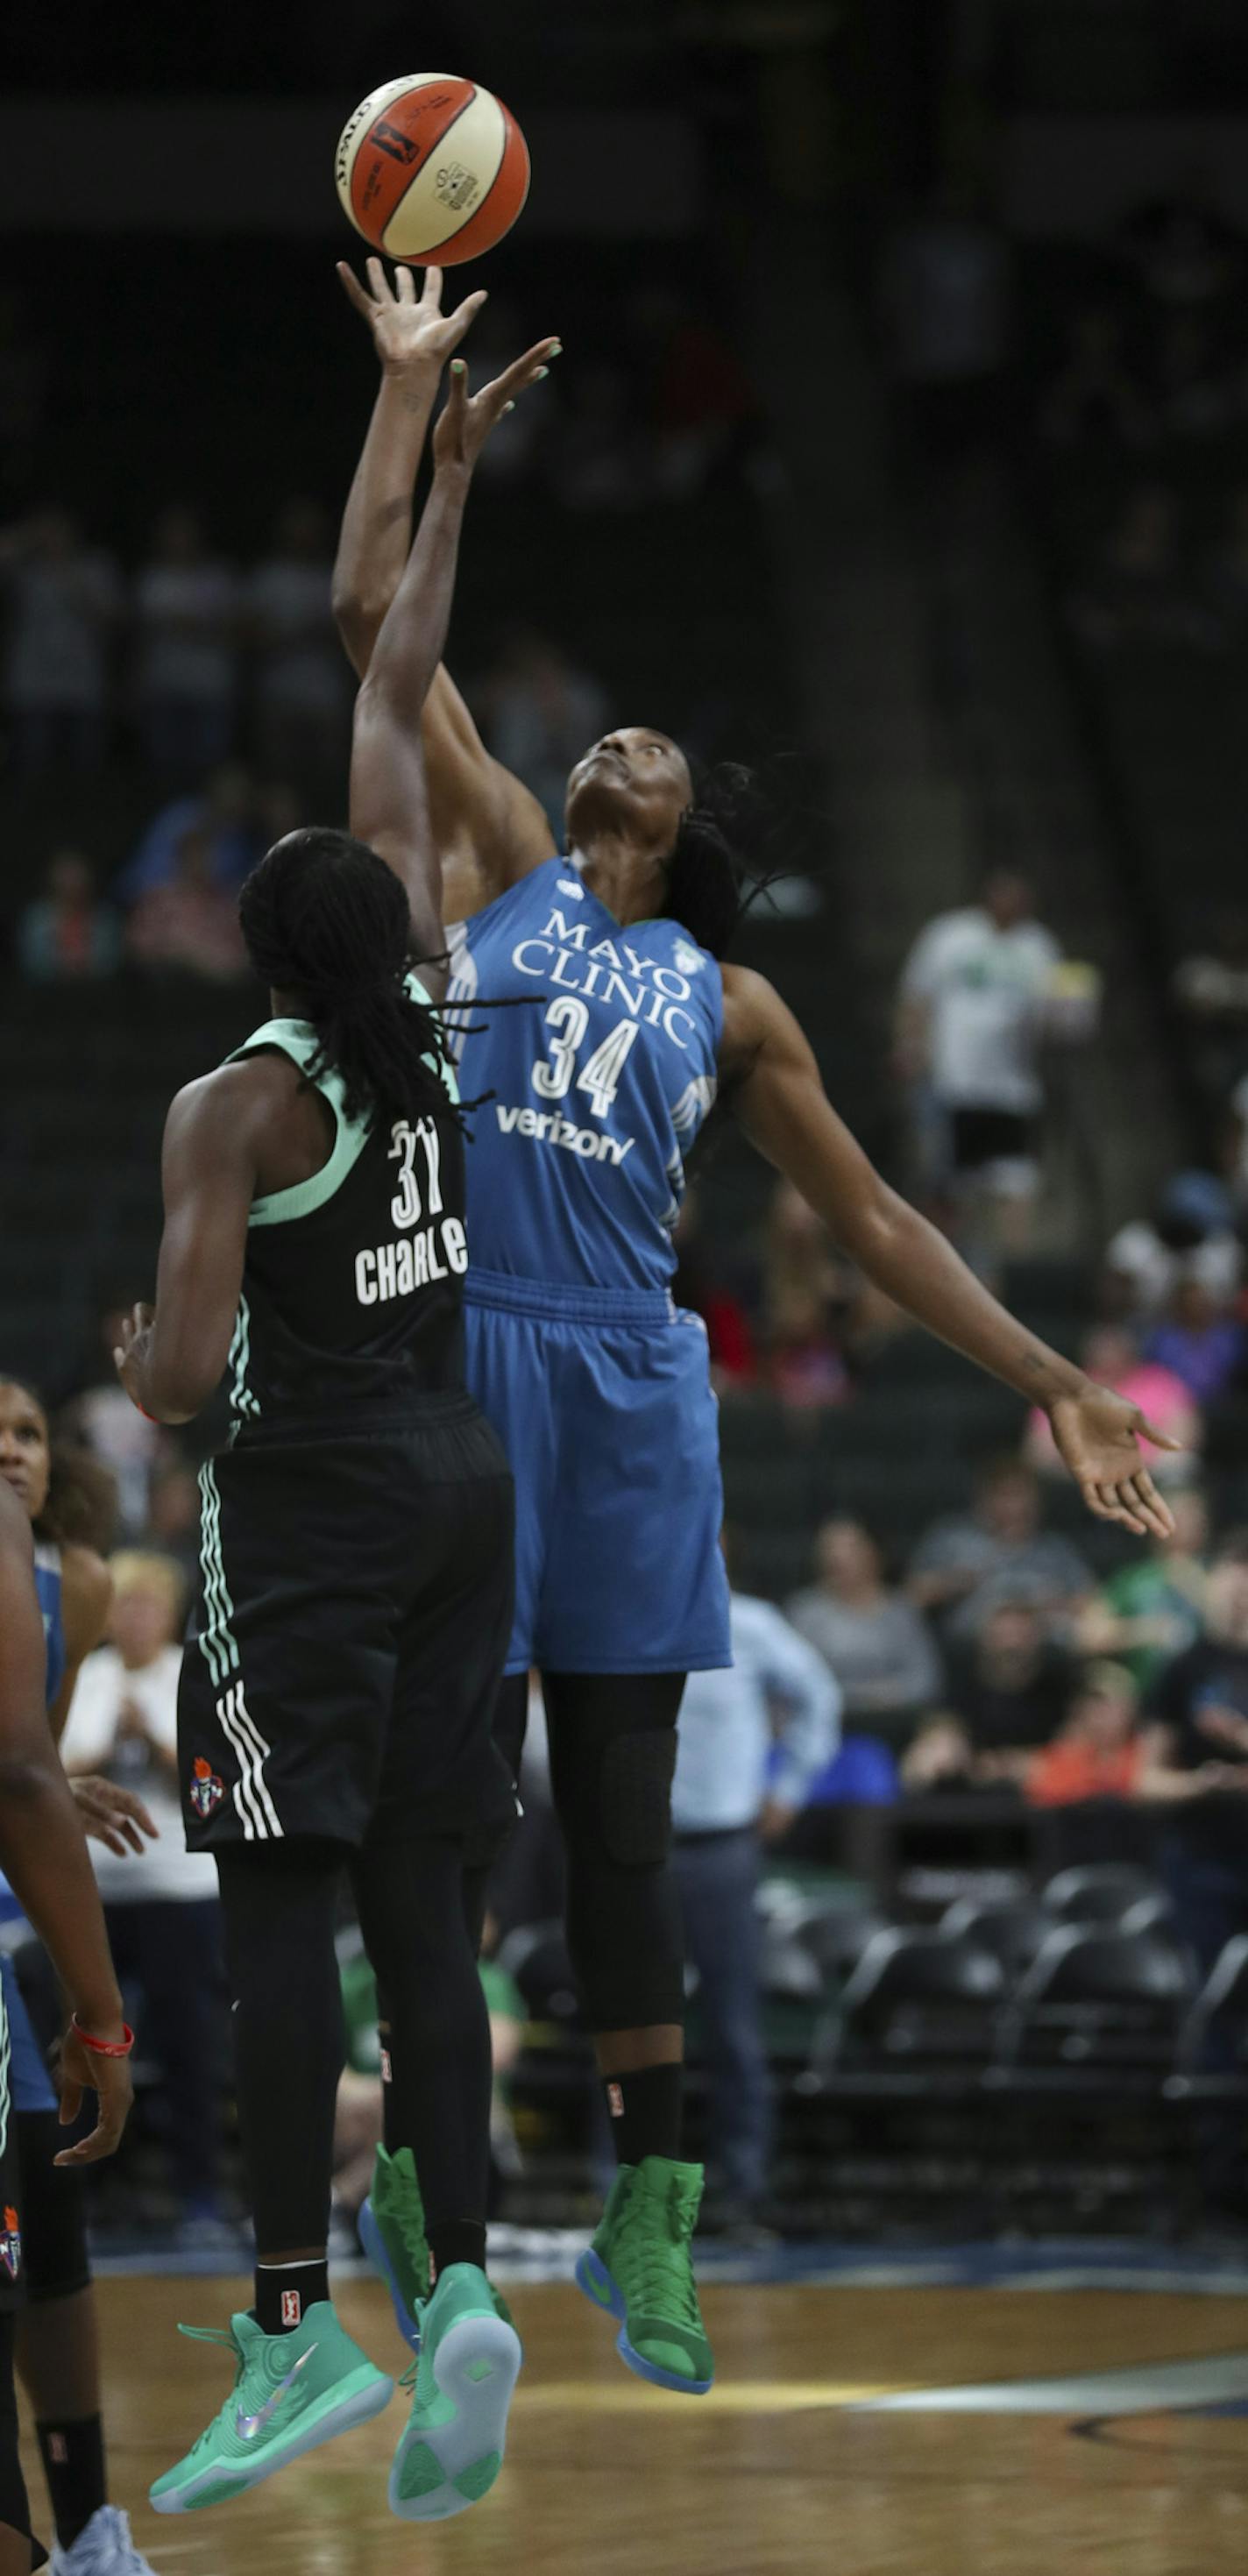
(432, 167)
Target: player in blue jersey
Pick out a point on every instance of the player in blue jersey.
(66, 1496)
(620, 1026)
(42, 1849)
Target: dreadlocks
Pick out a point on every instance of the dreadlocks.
(712, 877)
(325, 918)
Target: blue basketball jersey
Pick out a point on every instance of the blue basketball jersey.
(48, 1591)
(599, 1048)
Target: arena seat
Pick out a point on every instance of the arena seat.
(1015, 1934)
(1219, 2013)
(1101, 1892)
(914, 2000)
(1102, 2004)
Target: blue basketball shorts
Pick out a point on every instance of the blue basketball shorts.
(30, 2086)
(604, 1406)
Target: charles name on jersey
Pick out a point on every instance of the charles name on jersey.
(413, 1260)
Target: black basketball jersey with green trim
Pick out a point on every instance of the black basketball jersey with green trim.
(352, 1282)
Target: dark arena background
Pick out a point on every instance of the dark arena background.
(898, 450)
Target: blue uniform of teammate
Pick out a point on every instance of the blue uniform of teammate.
(601, 1075)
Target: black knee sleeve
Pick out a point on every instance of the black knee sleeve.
(54, 2212)
(613, 1752)
(635, 1798)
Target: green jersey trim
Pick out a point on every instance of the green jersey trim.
(298, 1040)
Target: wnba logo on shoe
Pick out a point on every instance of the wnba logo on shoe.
(615, 2101)
(292, 2308)
(11, 2244)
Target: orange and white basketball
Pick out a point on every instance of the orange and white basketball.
(432, 167)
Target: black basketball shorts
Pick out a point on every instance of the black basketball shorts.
(349, 1634)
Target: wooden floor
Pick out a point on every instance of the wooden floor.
(783, 2470)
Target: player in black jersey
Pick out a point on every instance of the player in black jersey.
(355, 1595)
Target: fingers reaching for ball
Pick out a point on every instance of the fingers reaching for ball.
(468, 419)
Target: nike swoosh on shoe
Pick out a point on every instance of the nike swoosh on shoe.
(247, 2426)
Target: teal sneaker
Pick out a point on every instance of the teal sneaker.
(291, 2393)
(469, 2361)
(392, 2233)
(639, 2268)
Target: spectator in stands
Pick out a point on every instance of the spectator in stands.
(1111, 1358)
(1094, 396)
(186, 610)
(227, 809)
(1200, 1701)
(1181, 248)
(173, 1516)
(540, 713)
(1199, 1341)
(875, 1641)
(302, 698)
(1010, 1689)
(191, 924)
(1200, 1777)
(1227, 572)
(101, 1415)
(702, 406)
(723, 1811)
(67, 935)
(699, 1286)
(999, 1551)
(1100, 1750)
(161, 1905)
(62, 599)
(1140, 591)
(600, 462)
(972, 1013)
(1193, 394)
(1190, 1237)
(1154, 1607)
(945, 294)
(803, 1364)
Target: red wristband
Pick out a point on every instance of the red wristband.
(103, 2047)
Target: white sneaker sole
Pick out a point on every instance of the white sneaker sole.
(476, 2366)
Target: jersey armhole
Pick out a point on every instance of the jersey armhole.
(280, 1207)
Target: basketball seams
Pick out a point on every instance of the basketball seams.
(485, 192)
(513, 171)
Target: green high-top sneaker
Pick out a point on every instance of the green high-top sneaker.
(640, 2269)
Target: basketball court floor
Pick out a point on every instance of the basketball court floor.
(975, 2412)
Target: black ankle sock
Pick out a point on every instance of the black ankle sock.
(73, 2464)
(644, 2111)
(286, 2291)
(456, 2240)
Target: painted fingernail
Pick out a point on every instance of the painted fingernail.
(556, 348)
(542, 371)
(458, 366)
(508, 407)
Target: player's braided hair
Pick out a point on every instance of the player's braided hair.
(81, 1505)
(715, 871)
(325, 918)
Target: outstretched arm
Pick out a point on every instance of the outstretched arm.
(780, 1101)
(41, 1843)
(489, 828)
(389, 798)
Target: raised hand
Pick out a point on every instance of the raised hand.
(411, 333)
(1098, 1435)
(467, 419)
